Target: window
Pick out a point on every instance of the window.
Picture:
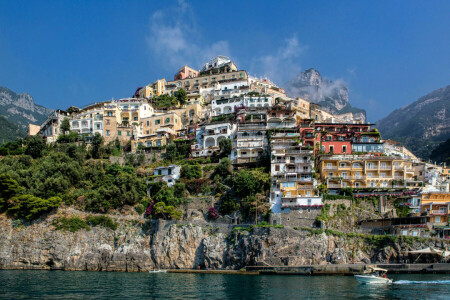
(342, 165)
(277, 168)
(147, 132)
(241, 75)
(357, 184)
(344, 175)
(404, 232)
(437, 219)
(287, 184)
(128, 133)
(167, 120)
(331, 148)
(148, 123)
(178, 83)
(344, 149)
(107, 122)
(157, 122)
(119, 132)
(330, 174)
(136, 118)
(107, 132)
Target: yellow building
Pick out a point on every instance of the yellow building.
(437, 206)
(195, 98)
(155, 89)
(339, 171)
(190, 113)
(169, 122)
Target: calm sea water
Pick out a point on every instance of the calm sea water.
(96, 285)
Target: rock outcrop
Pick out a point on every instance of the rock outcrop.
(19, 110)
(331, 95)
(139, 245)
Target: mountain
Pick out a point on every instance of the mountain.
(421, 125)
(18, 110)
(331, 95)
(441, 153)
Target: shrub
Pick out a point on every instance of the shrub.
(140, 208)
(251, 182)
(191, 172)
(31, 207)
(71, 224)
(103, 221)
(161, 210)
(213, 214)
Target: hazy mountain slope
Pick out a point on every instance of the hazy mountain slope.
(421, 125)
(331, 95)
(18, 110)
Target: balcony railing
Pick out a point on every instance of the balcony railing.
(334, 186)
(439, 212)
(330, 168)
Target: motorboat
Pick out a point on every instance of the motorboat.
(374, 276)
(157, 271)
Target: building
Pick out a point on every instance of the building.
(436, 205)
(169, 174)
(186, 72)
(258, 101)
(33, 129)
(343, 138)
(225, 106)
(157, 88)
(366, 171)
(205, 82)
(50, 129)
(251, 144)
(218, 64)
(209, 136)
(391, 147)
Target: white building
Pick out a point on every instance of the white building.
(216, 62)
(169, 174)
(225, 106)
(258, 101)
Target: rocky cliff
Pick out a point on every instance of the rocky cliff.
(331, 95)
(421, 125)
(140, 245)
(19, 110)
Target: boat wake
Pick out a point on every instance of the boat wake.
(422, 282)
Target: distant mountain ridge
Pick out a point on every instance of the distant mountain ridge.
(421, 125)
(331, 95)
(18, 110)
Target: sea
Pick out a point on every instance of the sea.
(102, 285)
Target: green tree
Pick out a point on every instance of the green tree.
(65, 126)
(161, 210)
(97, 143)
(223, 169)
(181, 96)
(9, 188)
(167, 196)
(191, 172)
(225, 146)
(250, 182)
(31, 207)
(35, 146)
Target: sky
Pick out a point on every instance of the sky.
(63, 53)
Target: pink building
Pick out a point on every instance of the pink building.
(185, 72)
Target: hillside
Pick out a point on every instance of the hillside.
(421, 125)
(9, 131)
(441, 153)
(331, 95)
(19, 110)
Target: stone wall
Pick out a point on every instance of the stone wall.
(296, 218)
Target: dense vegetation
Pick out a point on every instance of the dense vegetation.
(441, 153)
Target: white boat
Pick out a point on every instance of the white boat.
(157, 271)
(374, 276)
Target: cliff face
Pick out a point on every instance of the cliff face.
(421, 125)
(331, 95)
(138, 246)
(19, 110)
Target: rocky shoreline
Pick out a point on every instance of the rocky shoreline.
(139, 245)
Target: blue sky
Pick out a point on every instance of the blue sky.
(65, 53)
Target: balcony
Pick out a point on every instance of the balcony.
(441, 212)
(330, 168)
(334, 186)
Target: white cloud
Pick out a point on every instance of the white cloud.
(281, 65)
(175, 40)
